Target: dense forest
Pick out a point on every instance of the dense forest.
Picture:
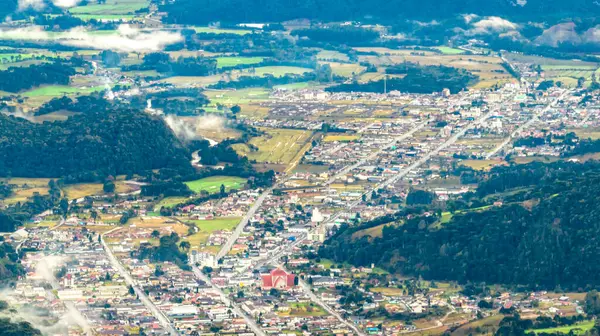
(206, 11)
(543, 236)
(89, 146)
(10, 267)
(16, 79)
(182, 66)
(417, 79)
(9, 328)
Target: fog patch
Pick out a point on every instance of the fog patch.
(126, 39)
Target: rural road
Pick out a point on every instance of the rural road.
(240, 227)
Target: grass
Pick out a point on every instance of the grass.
(170, 202)
(578, 329)
(390, 291)
(59, 90)
(109, 17)
(450, 51)
(332, 55)
(485, 326)
(213, 184)
(111, 7)
(280, 71)
(237, 97)
(276, 146)
(233, 61)
(341, 138)
(206, 227)
(222, 31)
(304, 309)
(480, 164)
(80, 190)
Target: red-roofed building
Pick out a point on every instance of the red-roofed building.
(278, 279)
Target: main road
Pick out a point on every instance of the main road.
(525, 125)
(160, 316)
(234, 306)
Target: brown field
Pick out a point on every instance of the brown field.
(486, 326)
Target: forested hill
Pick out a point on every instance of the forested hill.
(89, 146)
(545, 236)
(205, 11)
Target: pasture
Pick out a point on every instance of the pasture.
(206, 227)
(280, 146)
(450, 51)
(223, 62)
(213, 184)
(111, 7)
(222, 31)
(577, 329)
(280, 71)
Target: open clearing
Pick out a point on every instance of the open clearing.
(340, 138)
(276, 146)
(213, 184)
(223, 62)
(306, 309)
(111, 7)
(578, 329)
(222, 31)
(206, 227)
(76, 191)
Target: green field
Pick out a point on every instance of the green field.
(280, 71)
(450, 51)
(109, 17)
(222, 31)
(206, 227)
(213, 184)
(244, 96)
(111, 7)
(223, 62)
(59, 90)
(578, 329)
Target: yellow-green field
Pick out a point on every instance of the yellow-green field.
(213, 184)
(111, 7)
(340, 138)
(577, 329)
(206, 227)
(276, 146)
(223, 62)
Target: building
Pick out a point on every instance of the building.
(278, 279)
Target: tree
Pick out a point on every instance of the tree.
(222, 190)
(592, 303)
(108, 187)
(131, 290)
(235, 109)
(107, 277)
(185, 245)
(155, 234)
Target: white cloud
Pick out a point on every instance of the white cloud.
(126, 38)
(31, 4)
(492, 25)
(66, 3)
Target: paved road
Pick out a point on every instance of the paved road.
(238, 230)
(525, 125)
(249, 320)
(162, 318)
(373, 155)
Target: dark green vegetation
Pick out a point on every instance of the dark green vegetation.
(206, 11)
(543, 236)
(16, 79)
(89, 146)
(8, 328)
(183, 66)
(417, 79)
(10, 267)
(167, 250)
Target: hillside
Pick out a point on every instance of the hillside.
(544, 236)
(89, 146)
(205, 11)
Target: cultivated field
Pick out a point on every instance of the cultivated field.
(111, 7)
